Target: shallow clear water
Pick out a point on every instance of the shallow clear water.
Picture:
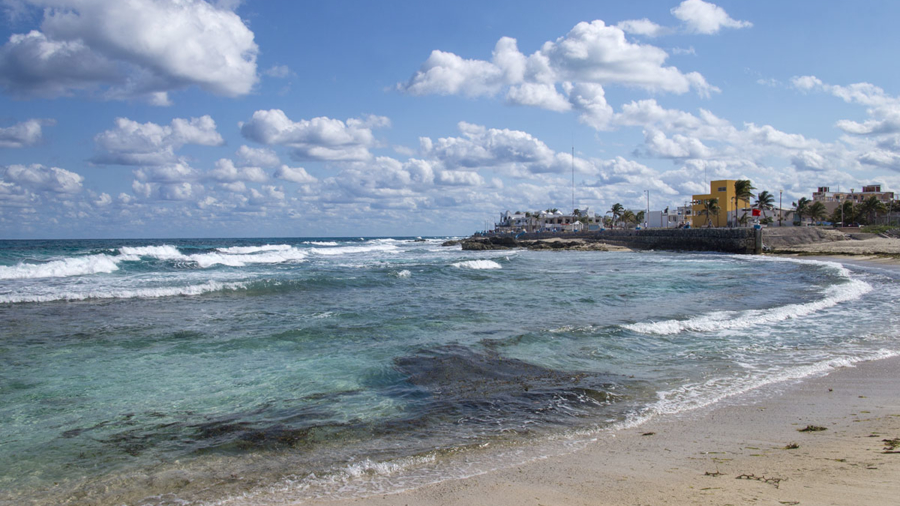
(230, 371)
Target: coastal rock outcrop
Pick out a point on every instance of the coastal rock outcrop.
(548, 244)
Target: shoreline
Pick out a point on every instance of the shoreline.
(736, 451)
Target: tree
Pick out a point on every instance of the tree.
(817, 211)
(836, 217)
(710, 209)
(801, 207)
(870, 208)
(743, 191)
(639, 217)
(764, 201)
(617, 211)
(847, 213)
(628, 217)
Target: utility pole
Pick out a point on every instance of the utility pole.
(779, 207)
(573, 179)
(647, 216)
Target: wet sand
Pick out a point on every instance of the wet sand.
(742, 451)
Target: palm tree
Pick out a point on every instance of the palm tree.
(871, 207)
(743, 191)
(764, 200)
(801, 207)
(817, 211)
(710, 208)
(617, 211)
(639, 217)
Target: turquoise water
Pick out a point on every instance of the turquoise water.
(262, 371)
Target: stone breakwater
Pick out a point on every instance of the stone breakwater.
(731, 240)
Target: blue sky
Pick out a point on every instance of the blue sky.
(185, 118)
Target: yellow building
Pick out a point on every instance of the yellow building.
(723, 191)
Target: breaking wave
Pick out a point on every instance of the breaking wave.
(77, 266)
(478, 265)
(249, 250)
(125, 293)
(237, 256)
(724, 320)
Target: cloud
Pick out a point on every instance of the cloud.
(591, 53)
(705, 18)
(133, 143)
(316, 139)
(540, 95)
(260, 157)
(294, 174)
(278, 71)
(643, 27)
(459, 178)
(140, 49)
(39, 178)
(482, 147)
(20, 135)
(226, 172)
(876, 139)
(169, 173)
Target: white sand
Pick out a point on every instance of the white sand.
(699, 457)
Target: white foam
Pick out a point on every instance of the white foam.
(164, 252)
(321, 243)
(404, 274)
(724, 320)
(133, 293)
(693, 396)
(478, 265)
(237, 256)
(347, 250)
(249, 250)
(205, 260)
(76, 266)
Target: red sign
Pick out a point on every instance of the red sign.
(756, 212)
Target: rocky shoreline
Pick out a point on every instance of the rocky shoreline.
(548, 244)
(813, 241)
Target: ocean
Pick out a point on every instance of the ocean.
(271, 371)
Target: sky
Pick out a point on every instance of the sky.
(278, 118)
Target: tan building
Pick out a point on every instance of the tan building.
(722, 190)
(833, 200)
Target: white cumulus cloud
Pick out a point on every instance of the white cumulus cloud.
(319, 138)
(591, 53)
(27, 133)
(136, 49)
(133, 143)
(706, 18)
(39, 178)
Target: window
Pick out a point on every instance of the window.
(721, 189)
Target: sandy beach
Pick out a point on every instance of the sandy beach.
(750, 449)
(742, 451)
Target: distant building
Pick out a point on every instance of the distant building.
(723, 191)
(663, 219)
(833, 200)
(547, 221)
